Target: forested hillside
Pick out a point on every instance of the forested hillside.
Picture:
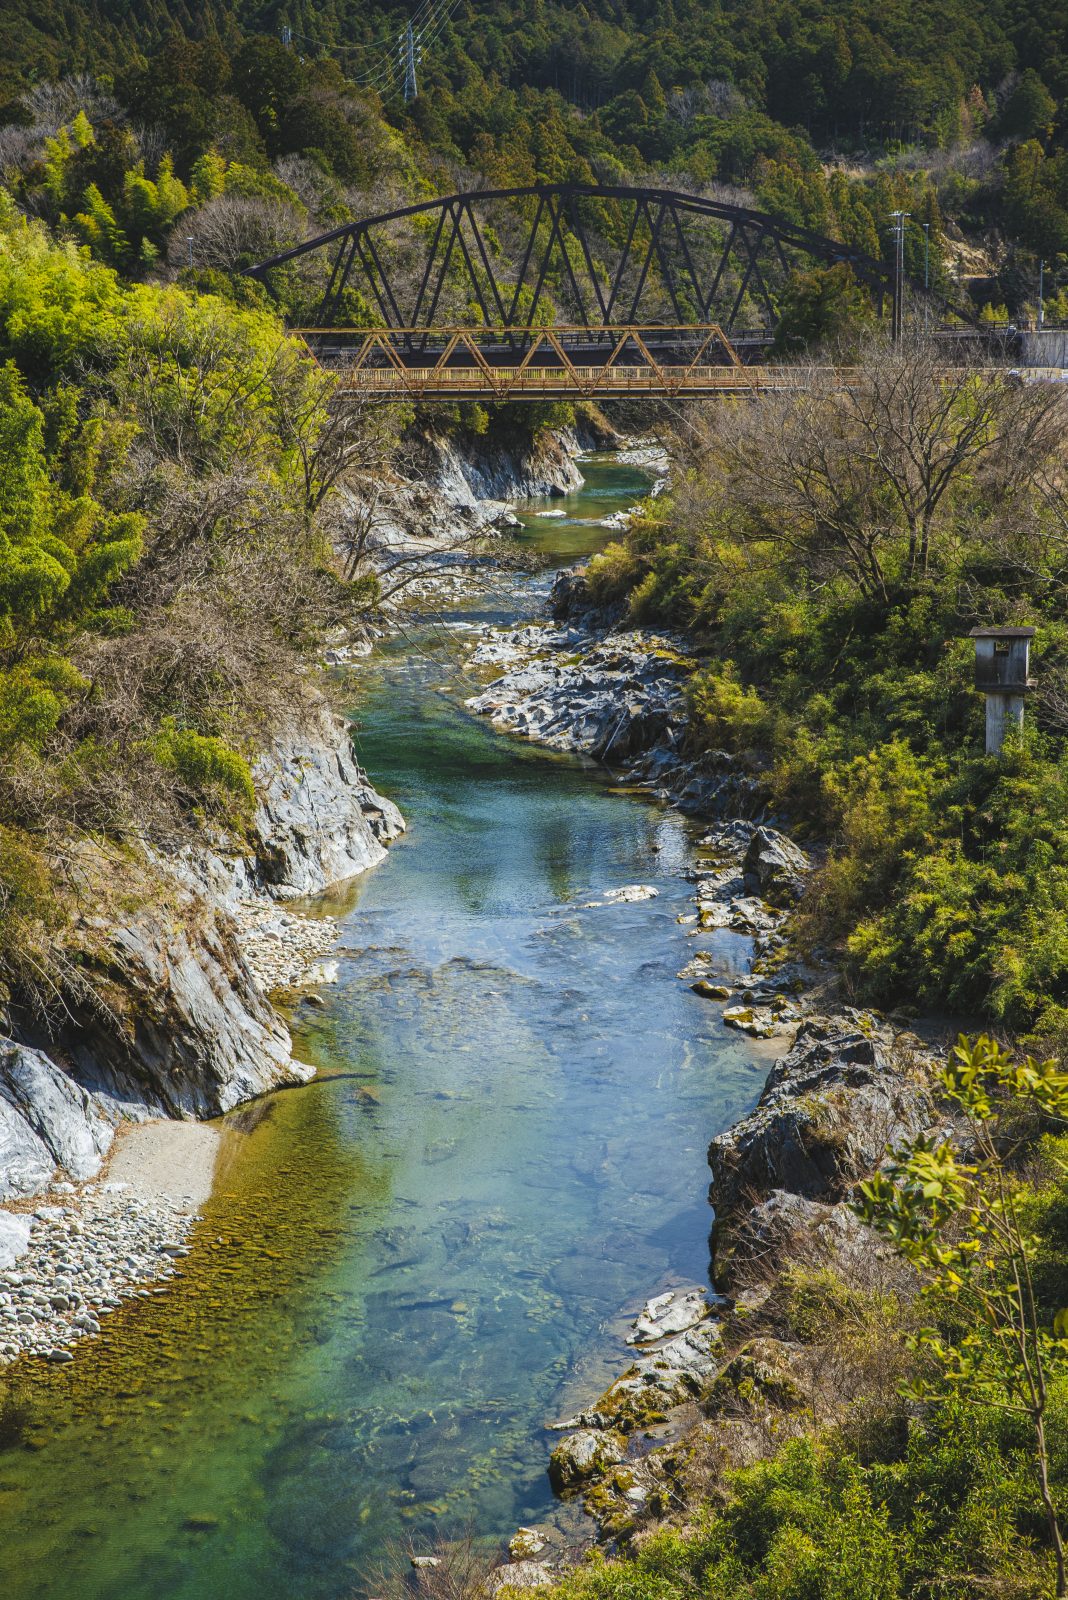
(832, 115)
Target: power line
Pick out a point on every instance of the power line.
(411, 87)
(398, 56)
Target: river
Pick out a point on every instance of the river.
(414, 1262)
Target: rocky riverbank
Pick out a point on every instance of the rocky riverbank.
(718, 1376)
(166, 1009)
(77, 1256)
(722, 1378)
(173, 1019)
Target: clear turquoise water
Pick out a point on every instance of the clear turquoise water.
(413, 1263)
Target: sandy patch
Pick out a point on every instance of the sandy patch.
(166, 1160)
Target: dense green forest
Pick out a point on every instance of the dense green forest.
(829, 115)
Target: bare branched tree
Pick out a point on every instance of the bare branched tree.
(232, 229)
(857, 469)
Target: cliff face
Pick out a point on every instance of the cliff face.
(318, 821)
(452, 488)
(163, 1009)
(167, 1017)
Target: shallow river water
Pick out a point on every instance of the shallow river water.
(415, 1262)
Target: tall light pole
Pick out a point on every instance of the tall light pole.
(1041, 293)
(897, 320)
(926, 275)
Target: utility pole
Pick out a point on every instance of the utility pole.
(897, 319)
(1041, 294)
(926, 276)
(411, 88)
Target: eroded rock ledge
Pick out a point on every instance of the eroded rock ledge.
(849, 1086)
(166, 1010)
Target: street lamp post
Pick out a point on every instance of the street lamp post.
(897, 320)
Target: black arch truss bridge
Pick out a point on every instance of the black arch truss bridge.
(472, 282)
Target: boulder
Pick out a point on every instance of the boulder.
(570, 594)
(830, 1109)
(671, 1312)
(622, 697)
(46, 1121)
(788, 1227)
(519, 1575)
(15, 1232)
(525, 1543)
(711, 991)
(582, 1456)
(774, 867)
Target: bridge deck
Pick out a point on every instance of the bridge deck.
(555, 383)
(534, 363)
(652, 361)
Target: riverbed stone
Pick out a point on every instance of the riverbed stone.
(581, 1456)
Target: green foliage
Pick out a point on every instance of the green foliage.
(817, 1302)
(206, 767)
(60, 551)
(55, 310)
(823, 304)
(950, 1514)
(726, 714)
(136, 652)
(849, 689)
(959, 1221)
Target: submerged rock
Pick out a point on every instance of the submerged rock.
(630, 894)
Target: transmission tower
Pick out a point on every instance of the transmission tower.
(411, 87)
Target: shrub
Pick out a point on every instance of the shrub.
(206, 768)
(726, 714)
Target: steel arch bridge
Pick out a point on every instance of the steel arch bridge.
(556, 291)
